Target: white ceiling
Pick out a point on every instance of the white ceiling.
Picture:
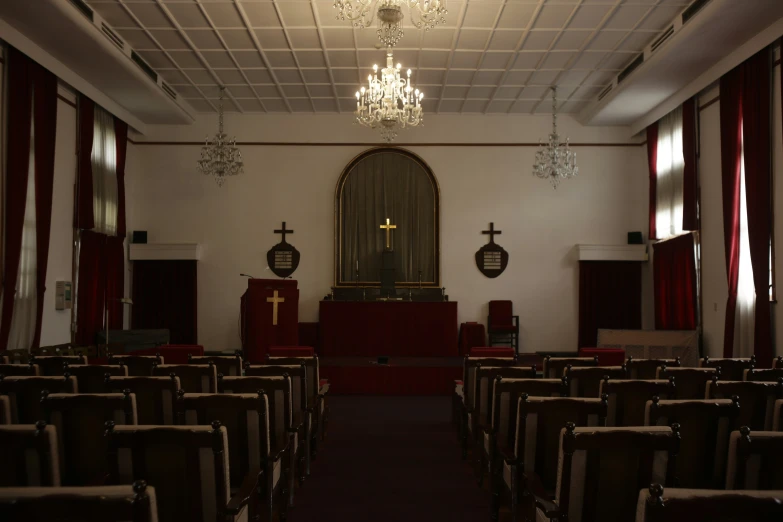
(293, 55)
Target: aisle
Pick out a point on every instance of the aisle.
(390, 459)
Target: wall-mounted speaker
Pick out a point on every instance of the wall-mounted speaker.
(140, 236)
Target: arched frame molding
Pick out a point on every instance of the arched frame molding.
(338, 217)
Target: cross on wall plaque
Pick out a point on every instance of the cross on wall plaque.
(283, 258)
(491, 259)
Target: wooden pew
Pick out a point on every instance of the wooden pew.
(193, 378)
(755, 460)
(628, 398)
(555, 367)
(586, 381)
(24, 394)
(138, 365)
(764, 375)
(691, 382)
(55, 364)
(756, 398)
(30, 369)
(647, 369)
(731, 369)
(230, 365)
(29, 455)
(700, 505)
(92, 378)
(155, 397)
(5, 410)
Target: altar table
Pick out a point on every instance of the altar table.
(393, 328)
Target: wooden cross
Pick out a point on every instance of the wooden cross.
(491, 232)
(274, 300)
(284, 232)
(388, 228)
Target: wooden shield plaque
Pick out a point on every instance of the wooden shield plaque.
(283, 258)
(491, 259)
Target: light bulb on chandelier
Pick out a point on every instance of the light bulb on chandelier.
(389, 102)
(424, 14)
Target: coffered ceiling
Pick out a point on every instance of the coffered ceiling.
(294, 55)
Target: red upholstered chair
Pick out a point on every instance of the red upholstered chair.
(606, 356)
(503, 325)
(471, 335)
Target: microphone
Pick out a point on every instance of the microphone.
(246, 275)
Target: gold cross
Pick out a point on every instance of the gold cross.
(388, 228)
(274, 300)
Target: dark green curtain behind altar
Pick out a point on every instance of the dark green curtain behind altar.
(388, 185)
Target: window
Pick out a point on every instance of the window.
(744, 319)
(104, 173)
(670, 165)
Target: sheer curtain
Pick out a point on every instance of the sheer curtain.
(670, 167)
(25, 297)
(104, 173)
(744, 319)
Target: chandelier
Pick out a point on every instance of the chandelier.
(220, 156)
(555, 161)
(389, 102)
(425, 14)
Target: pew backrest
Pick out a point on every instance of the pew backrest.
(585, 381)
(659, 504)
(555, 367)
(226, 364)
(691, 382)
(138, 365)
(731, 369)
(647, 369)
(193, 378)
(764, 375)
(91, 378)
(756, 399)
(24, 394)
(29, 455)
(278, 390)
(755, 460)
(54, 365)
(29, 369)
(628, 398)
(155, 397)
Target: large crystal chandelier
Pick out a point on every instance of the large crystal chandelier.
(425, 14)
(555, 161)
(390, 102)
(220, 156)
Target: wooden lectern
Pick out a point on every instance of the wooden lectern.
(270, 316)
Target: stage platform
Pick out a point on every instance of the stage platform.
(400, 376)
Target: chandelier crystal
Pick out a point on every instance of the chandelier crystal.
(390, 102)
(220, 156)
(555, 160)
(424, 14)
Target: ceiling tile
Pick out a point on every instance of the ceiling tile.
(431, 91)
(523, 106)
(288, 75)
(347, 105)
(616, 61)
(300, 105)
(517, 77)
(473, 39)
(248, 59)
(256, 76)
(201, 105)
(260, 14)
(627, 16)
(534, 92)
(481, 15)
(544, 77)
(516, 16)
(606, 40)
(223, 14)
(325, 105)
(200, 76)
(496, 60)
(187, 15)
(266, 91)
(220, 59)
(481, 92)
(310, 58)
(571, 107)
(505, 40)
(237, 39)
(455, 91)
(508, 93)
(539, 40)
(304, 38)
(346, 75)
(172, 76)
(588, 60)
(338, 38)
(250, 105)
(280, 58)
(186, 59)
(589, 16)
(435, 59)
(572, 40)
(450, 105)
(271, 38)
(660, 18)
(230, 76)
(553, 16)
(459, 77)
(150, 15)
(204, 39)
(316, 75)
(557, 60)
(527, 60)
(347, 91)
(321, 91)
(499, 106)
(296, 14)
(342, 58)
(600, 78)
(437, 39)
(275, 105)
(366, 39)
(155, 59)
(431, 77)
(587, 93)
(466, 60)
(137, 39)
(241, 91)
(210, 91)
(188, 91)
(573, 77)
(474, 105)
(637, 41)
(487, 77)
(114, 14)
(430, 105)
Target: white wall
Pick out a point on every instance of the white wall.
(714, 279)
(174, 203)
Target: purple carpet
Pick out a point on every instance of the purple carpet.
(390, 459)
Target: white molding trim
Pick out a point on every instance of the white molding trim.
(165, 251)
(612, 252)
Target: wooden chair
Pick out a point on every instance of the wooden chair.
(92, 378)
(193, 378)
(730, 369)
(691, 382)
(179, 461)
(5, 410)
(777, 362)
(29, 455)
(601, 470)
(138, 365)
(755, 460)
(29, 369)
(503, 325)
(765, 375)
(628, 398)
(246, 418)
(136, 503)
(756, 398)
(647, 369)
(706, 426)
(54, 365)
(555, 367)
(230, 365)
(17, 356)
(4, 359)
(80, 420)
(155, 397)
(701, 505)
(534, 456)
(777, 416)
(284, 432)
(585, 381)
(24, 394)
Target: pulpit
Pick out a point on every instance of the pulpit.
(270, 316)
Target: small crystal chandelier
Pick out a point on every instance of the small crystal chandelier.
(390, 102)
(425, 14)
(220, 157)
(555, 161)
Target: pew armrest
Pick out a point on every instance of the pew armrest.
(242, 497)
(540, 495)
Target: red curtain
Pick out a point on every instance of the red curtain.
(652, 161)
(164, 296)
(690, 189)
(91, 292)
(610, 296)
(114, 257)
(674, 274)
(731, 156)
(757, 129)
(83, 212)
(121, 133)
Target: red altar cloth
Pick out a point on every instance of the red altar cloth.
(290, 351)
(606, 356)
(470, 336)
(372, 328)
